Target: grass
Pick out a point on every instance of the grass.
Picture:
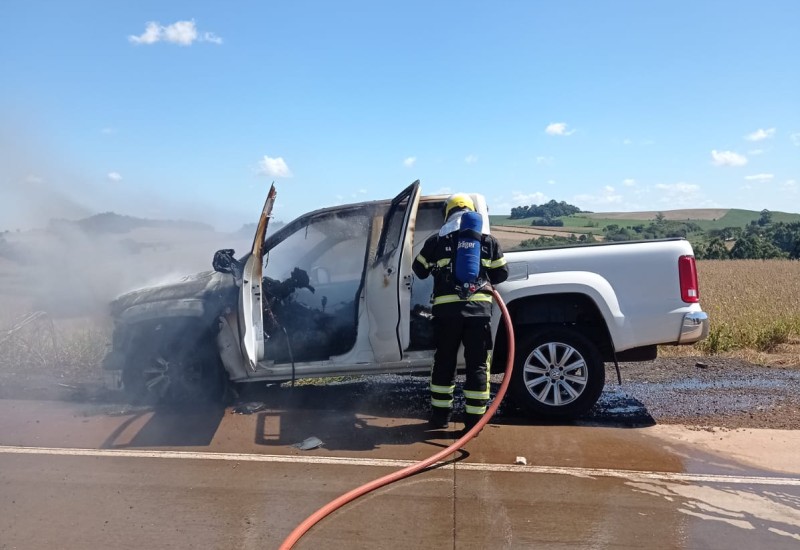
(64, 348)
(754, 307)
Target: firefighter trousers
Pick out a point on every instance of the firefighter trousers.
(476, 335)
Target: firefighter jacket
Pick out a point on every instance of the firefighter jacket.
(438, 257)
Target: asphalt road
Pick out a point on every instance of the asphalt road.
(94, 475)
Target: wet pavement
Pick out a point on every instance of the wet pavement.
(77, 475)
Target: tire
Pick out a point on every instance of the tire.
(174, 367)
(558, 373)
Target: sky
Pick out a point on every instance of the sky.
(191, 109)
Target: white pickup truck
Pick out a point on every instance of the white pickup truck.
(332, 293)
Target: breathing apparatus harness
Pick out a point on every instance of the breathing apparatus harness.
(463, 272)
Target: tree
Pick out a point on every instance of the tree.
(786, 236)
(715, 249)
(755, 247)
(766, 218)
(548, 222)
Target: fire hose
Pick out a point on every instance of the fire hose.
(337, 503)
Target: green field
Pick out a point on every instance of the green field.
(583, 223)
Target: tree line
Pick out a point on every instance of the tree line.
(545, 214)
(760, 239)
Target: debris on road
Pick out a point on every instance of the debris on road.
(249, 408)
(309, 443)
(521, 460)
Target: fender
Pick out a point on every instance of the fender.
(596, 287)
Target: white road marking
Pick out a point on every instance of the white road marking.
(631, 475)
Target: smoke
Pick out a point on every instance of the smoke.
(30, 191)
(50, 263)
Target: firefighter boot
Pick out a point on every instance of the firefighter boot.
(440, 418)
(470, 420)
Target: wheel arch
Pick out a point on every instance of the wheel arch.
(548, 311)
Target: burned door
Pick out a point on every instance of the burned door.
(251, 320)
(389, 278)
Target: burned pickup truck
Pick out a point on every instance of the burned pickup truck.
(332, 293)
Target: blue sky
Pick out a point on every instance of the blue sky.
(191, 109)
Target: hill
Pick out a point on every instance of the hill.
(110, 222)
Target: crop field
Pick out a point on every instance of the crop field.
(754, 307)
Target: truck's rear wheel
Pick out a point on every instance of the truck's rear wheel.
(558, 373)
(178, 368)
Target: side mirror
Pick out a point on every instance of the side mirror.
(224, 262)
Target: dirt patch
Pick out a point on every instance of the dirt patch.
(509, 237)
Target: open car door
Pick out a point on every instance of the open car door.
(251, 308)
(388, 280)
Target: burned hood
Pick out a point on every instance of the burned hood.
(204, 285)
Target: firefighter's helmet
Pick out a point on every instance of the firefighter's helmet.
(458, 201)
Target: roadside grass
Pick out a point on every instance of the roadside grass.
(33, 344)
(754, 309)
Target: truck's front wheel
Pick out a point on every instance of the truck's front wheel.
(179, 367)
(558, 373)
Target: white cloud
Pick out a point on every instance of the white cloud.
(759, 177)
(114, 176)
(607, 195)
(727, 158)
(183, 33)
(211, 37)
(544, 160)
(680, 195)
(362, 191)
(760, 134)
(108, 131)
(558, 129)
(626, 141)
(789, 185)
(629, 182)
(755, 152)
(471, 159)
(551, 182)
(523, 199)
(151, 34)
(274, 167)
(796, 138)
(409, 162)
(678, 188)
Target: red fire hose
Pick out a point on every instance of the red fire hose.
(337, 503)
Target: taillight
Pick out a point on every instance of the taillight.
(687, 271)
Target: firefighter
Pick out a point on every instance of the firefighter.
(462, 309)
